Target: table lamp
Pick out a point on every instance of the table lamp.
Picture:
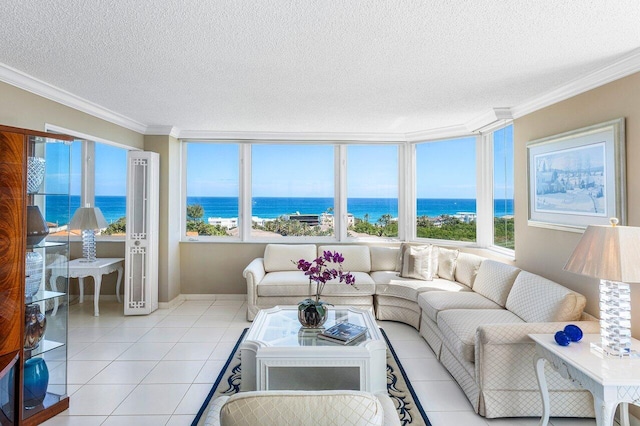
(88, 219)
(612, 254)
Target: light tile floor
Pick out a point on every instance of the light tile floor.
(157, 369)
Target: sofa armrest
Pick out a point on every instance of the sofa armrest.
(213, 416)
(253, 273)
(390, 413)
(505, 334)
(504, 356)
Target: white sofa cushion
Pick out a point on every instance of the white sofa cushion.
(285, 283)
(284, 257)
(494, 280)
(385, 258)
(322, 408)
(537, 299)
(458, 326)
(467, 266)
(356, 258)
(389, 283)
(432, 302)
(447, 263)
(364, 285)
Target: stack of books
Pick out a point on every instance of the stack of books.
(343, 333)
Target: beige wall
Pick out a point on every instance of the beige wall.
(544, 251)
(169, 240)
(20, 108)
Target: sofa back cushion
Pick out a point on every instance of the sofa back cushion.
(494, 280)
(384, 258)
(419, 262)
(537, 299)
(467, 266)
(447, 263)
(356, 258)
(284, 257)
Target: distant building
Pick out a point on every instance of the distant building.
(224, 222)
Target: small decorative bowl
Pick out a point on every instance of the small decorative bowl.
(573, 332)
(562, 339)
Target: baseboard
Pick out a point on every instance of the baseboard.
(206, 297)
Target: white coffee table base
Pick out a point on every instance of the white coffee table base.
(280, 364)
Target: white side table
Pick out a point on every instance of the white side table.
(611, 381)
(78, 268)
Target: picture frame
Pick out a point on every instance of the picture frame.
(578, 178)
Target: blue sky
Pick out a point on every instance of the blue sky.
(445, 169)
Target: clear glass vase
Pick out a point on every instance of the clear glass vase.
(312, 315)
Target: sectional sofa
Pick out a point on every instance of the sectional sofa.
(475, 313)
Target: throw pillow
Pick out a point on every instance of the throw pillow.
(447, 263)
(419, 262)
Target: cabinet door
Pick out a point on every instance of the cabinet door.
(141, 261)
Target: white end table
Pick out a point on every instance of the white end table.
(611, 381)
(79, 268)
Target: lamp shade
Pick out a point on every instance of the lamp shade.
(88, 218)
(608, 252)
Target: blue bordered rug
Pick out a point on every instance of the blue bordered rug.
(400, 390)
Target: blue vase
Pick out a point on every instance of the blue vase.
(36, 381)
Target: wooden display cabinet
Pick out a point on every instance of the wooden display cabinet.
(33, 349)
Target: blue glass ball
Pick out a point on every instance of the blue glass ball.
(574, 332)
(562, 339)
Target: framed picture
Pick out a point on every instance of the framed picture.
(578, 178)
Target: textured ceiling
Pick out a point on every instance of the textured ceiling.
(376, 66)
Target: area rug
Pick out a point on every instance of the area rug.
(399, 388)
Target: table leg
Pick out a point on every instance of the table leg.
(624, 414)
(53, 282)
(81, 288)
(539, 363)
(118, 284)
(605, 411)
(96, 294)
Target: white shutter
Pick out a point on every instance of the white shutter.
(141, 263)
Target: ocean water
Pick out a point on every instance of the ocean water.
(114, 207)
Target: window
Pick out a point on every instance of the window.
(58, 207)
(503, 223)
(446, 189)
(111, 182)
(212, 171)
(372, 190)
(292, 188)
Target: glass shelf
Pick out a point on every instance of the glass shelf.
(43, 347)
(41, 296)
(48, 244)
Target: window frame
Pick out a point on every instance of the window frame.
(87, 171)
(411, 222)
(407, 209)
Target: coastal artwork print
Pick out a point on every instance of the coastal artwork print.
(576, 179)
(571, 181)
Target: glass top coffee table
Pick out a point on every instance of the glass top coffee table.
(278, 354)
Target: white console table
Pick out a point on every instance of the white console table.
(611, 381)
(80, 268)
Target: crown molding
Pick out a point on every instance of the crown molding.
(623, 67)
(31, 84)
(627, 65)
(488, 118)
(292, 136)
(172, 131)
(438, 133)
